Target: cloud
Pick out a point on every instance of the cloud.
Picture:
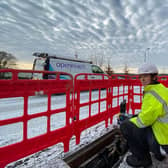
(118, 30)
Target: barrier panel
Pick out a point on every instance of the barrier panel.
(126, 76)
(91, 99)
(29, 112)
(119, 91)
(36, 114)
(135, 95)
(163, 79)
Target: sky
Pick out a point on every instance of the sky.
(115, 32)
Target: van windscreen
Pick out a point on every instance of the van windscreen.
(96, 69)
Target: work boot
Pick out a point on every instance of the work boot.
(159, 157)
(135, 162)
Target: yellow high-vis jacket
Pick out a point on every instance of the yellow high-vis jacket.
(154, 112)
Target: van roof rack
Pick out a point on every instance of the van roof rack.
(45, 55)
(37, 54)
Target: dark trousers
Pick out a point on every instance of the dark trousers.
(141, 141)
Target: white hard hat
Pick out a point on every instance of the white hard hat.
(148, 69)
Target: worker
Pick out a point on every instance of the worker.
(147, 132)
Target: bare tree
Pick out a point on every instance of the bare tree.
(109, 70)
(126, 70)
(98, 60)
(7, 60)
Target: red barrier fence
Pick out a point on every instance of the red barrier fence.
(36, 114)
(26, 119)
(90, 101)
(164, 80)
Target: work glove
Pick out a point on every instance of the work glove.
(123, 115)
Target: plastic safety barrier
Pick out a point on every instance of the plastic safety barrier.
(164, 80)
(36, 114)
(91, 99)
(29, 113)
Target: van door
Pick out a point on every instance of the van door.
(39, 65)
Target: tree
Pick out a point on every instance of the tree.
(126, 70)
(7, 60)
(109, 70)
(97, 60)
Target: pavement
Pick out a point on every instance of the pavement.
(156, 163)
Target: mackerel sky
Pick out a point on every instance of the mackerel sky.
(115, 32)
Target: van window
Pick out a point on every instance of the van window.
(96, 69)
(39, 64)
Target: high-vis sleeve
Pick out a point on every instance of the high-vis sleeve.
(163, 119)
(151, 109)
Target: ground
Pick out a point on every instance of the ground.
(156, 163)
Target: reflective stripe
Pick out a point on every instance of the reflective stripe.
(140, 124)
(163, 119)
(163, 151)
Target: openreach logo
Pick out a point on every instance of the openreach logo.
(68, 66)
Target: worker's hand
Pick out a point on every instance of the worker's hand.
(124, 116)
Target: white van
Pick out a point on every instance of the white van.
(46, 62)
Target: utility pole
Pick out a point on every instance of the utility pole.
(76, 55)
(146, 51)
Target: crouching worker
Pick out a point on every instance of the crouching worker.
(148, 131)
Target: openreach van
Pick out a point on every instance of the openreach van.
(46, 62)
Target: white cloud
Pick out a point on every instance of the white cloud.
(109, 28)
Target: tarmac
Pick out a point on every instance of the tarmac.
(155, 163)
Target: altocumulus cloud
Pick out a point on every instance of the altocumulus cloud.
(119, 31)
